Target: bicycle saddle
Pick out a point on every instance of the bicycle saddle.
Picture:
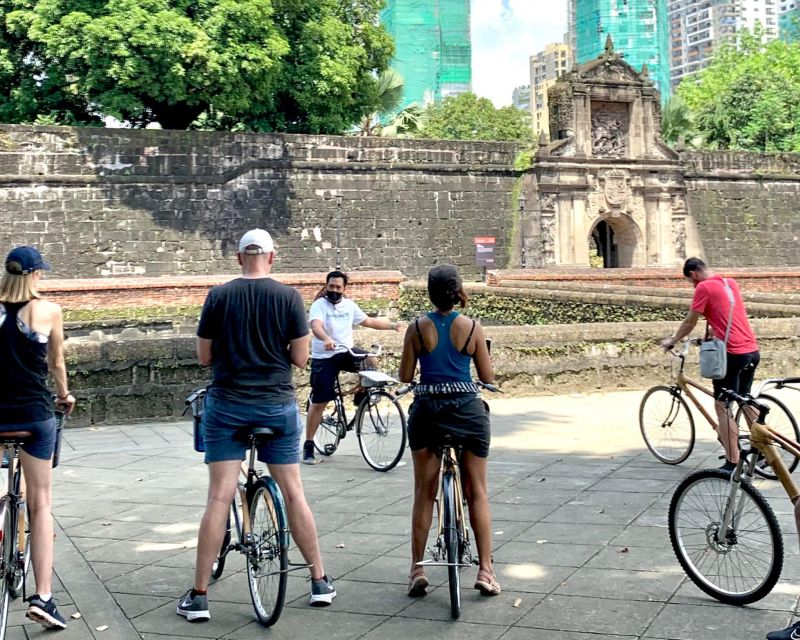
(9, 437)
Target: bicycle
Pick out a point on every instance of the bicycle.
(722, 529)
(452, 547)
(261, 524)
(667, 424)
(15, 549)
(379, 420)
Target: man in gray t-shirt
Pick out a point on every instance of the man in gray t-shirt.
(252, 330)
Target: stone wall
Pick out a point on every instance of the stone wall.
(745, 206)
(133, 378)
(105, 202)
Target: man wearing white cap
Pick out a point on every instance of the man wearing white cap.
(251, 331)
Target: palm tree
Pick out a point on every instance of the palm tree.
(677, 121)
(407, 123)
(391, 88)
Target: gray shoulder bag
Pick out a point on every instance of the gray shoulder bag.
(713, 351)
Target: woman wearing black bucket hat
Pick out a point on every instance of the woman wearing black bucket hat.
(446, 401)
(31, 345)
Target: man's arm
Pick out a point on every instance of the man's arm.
(383, 324)
(204, 351)
(687, 326)
(298, 351)
(318, 329)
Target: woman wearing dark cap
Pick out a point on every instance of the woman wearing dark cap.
(31, 344)
(446, 401)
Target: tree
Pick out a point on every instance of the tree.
(290, 65)
(468, 117)
(390, 91)
(677, 123)
(406, 124)
(748, 98)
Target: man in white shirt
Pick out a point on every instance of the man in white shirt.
(332, 317)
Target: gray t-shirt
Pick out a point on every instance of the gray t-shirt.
(250, 322)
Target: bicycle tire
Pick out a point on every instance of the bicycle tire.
(219, 564)
(782, 420)
(381, 430)
(450, 532)
(8, 546)
(329, 431)
(666, 424)
(268, 559)
(742, 541)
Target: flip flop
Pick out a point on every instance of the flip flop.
(488, 587)
(418, 586)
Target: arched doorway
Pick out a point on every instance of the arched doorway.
(613, 243)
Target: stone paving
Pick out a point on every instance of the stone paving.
(580, 539)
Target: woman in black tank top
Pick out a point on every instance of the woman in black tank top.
(31, 346)
(447, 402)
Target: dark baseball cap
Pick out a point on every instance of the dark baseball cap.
(28, 258)
(444, 276)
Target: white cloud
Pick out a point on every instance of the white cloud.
(505, 33)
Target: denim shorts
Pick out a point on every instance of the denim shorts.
(42, 443)
(225, 426)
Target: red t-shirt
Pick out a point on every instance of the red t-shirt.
(711, 300)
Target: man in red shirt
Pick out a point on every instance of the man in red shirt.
(711, 300)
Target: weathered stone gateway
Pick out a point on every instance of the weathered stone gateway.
(106, 202)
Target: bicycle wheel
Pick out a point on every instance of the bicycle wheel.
(667, 425)
(21, 562)
(381, 430)
(326, 439)
(743, 567)
(781, 420)
(450, 532)
(219, 563)
(8, 547)
(267, 560)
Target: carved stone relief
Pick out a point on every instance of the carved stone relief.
(610, 125)
(616, 188)
(548, 238)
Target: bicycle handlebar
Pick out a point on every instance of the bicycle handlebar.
(361, 356)
(727, 395)
(685, 348)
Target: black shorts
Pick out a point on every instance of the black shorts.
(324, 372)
(739, 373)
(464, 416)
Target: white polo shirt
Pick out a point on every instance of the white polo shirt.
(338, 321)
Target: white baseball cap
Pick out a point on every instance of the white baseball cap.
(258, 238)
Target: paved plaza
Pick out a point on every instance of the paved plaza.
(580, 539)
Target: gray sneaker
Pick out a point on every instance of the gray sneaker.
(193, 608)
(322, 592)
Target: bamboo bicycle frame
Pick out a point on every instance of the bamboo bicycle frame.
(686, 385)
(766, 440)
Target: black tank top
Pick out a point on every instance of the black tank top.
(24, 396)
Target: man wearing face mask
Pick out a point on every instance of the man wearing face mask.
(332, 317)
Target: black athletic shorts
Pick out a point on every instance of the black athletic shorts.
(464, 416)
(325, 370)
(739, 374)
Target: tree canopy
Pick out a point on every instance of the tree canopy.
(468, 117)
(289, 65)
(748, 98)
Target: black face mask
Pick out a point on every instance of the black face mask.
(333, 296)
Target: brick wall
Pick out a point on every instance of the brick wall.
(105, 202)
(116, 292)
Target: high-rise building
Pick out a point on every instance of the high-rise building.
(697, 26)
(789, 20)
(521, 97)
(639, 29)
(546, 67)
(433, 48)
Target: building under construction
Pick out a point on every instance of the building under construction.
(433, 49)
(639, 28)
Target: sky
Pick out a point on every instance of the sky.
(505, 33)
